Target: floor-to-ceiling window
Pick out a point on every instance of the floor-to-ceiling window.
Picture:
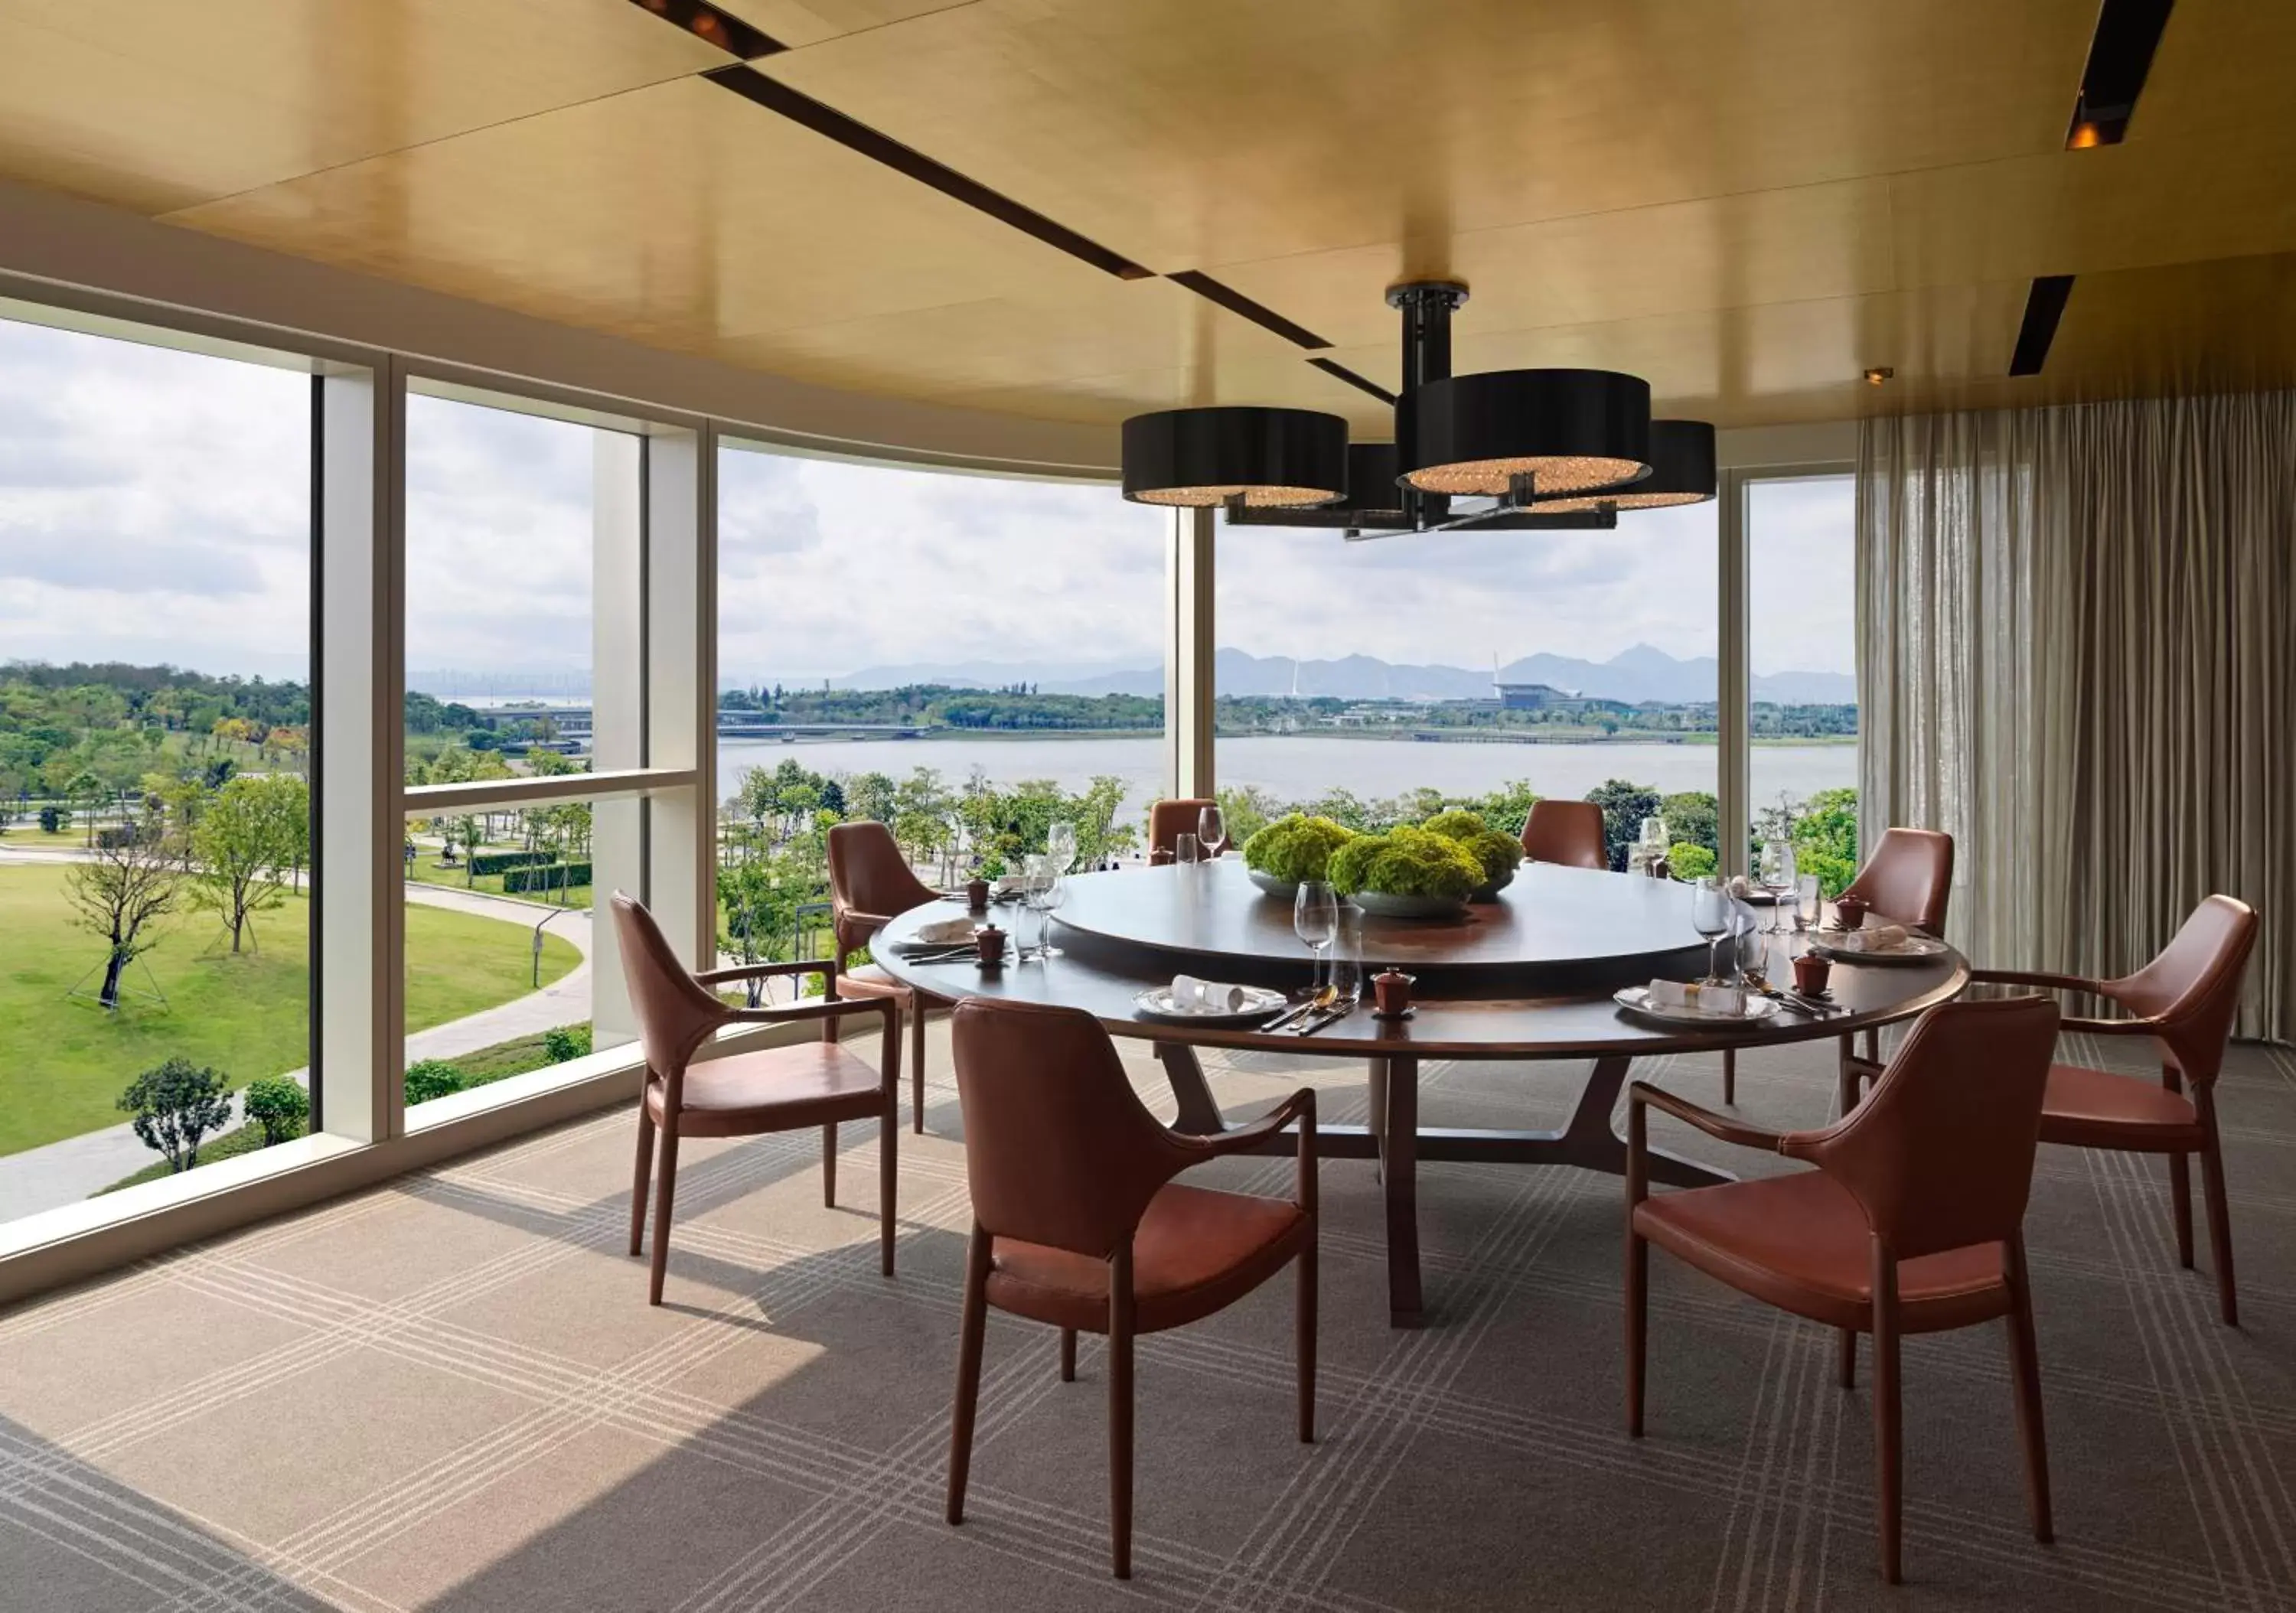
(1803, 654)
(1379, 681)
(155, 743)
(963, 658)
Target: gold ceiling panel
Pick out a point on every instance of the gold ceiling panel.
(2228, 325)
(161, 104)
(1106, 399)
(1189, 132)
(797, 23)
(680, 215)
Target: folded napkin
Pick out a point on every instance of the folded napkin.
(1871, 937)
(1724, 1001)
(944, 932)
(1205, 996)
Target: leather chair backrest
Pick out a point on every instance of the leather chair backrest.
(675, 1011)
(1568, 832)
(1058, 1147)
(867, 873)
(2195, 985)
(1940, 1156)
(1909, 878)
(1168, 820)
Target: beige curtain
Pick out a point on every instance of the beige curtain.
(2077, 656)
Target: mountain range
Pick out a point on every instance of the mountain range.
(1642, 672)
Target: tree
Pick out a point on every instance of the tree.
(1624, 808)
(87, 793)
(118, 890)
(240, 848)
(279, 1106)
(176, 1104)
(1825, 839)
(1693, 817)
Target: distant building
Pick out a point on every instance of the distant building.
(1540, 696)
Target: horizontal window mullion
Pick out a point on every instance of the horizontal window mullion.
(481, 794)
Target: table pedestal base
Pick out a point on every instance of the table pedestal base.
(1396, 1138)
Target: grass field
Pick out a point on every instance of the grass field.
(427, 871)
(63, 1061)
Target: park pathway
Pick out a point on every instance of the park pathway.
(63, 1173)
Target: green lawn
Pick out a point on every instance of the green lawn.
(427, 871)
(63, 1061)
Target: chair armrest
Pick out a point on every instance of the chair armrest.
(1300, 1106)
(1641, 1093)
(2030, 977)
(834, 1007)
(752, 972)
(873, 921)
(2110, 1027)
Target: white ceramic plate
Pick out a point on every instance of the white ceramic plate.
(1258, 1002)
(1636, 1000)
(1913, 949)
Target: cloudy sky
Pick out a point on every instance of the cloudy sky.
(154, 506)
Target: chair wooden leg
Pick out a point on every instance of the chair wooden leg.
(2180, 1206)
(1303, 1341)
(664, 1189)
(1846, 1354)
(1637, 1327)
(2212, 1193)
(917, 1064)
(1873, 1044)
(1730, 1076)
(1889, 1419)
(2025, 1364)
(1120, 1410)
(828, 1165)
(1375, 1113)
(888, 1176)
(638, 1182)
(1068, 1355)
(972, 1332)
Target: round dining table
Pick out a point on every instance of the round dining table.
(1526, 978)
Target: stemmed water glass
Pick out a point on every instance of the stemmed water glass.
(1211, 832)
(1711, 912)
(1315, 920)
(1777, 876)
(1046, 892)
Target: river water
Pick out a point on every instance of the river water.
(1298, 768)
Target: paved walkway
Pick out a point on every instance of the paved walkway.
(62, 1173)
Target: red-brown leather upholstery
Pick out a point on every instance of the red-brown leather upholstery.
(1168, 820)
(1912, 1221)
(1909, 878)
(2185, 1000)
(1568, 832)
(1078, 1222)
(770, 1090)
(869, 883)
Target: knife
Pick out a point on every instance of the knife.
(1329, 1016)
(1291, 1016)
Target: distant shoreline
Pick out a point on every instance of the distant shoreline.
(1466, 736)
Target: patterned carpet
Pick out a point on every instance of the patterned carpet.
(449, 1392)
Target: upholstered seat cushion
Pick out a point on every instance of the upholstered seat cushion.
(1801, 1243)
(773, 1089)
(2097, 1109)
(1197, 1252)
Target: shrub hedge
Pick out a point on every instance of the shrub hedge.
(503, 862)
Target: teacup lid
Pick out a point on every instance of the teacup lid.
(1392, 973)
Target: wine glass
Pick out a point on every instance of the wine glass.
(1211, 832)
(1315, 920)
(1060, 846)
(1777, 875)
(1710, 916)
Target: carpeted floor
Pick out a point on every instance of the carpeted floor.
(449, 1392)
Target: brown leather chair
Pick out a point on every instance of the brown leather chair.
(2185, 1000)
(774, 1089)
(1912, 1222)
(1168, 820)
(1909, 880)
(1077, 1220)
(1568, 832)
(869, 883)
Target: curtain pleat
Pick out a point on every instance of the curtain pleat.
(2077, 656)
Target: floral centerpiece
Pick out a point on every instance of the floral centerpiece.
(1293, 849)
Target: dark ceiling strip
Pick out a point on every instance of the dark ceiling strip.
(1236, 302)
(2045, 305)
(723, 29)
(754, 86)
(2120, 55)
(1332, 367)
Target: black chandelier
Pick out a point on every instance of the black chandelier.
(1551, 448)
